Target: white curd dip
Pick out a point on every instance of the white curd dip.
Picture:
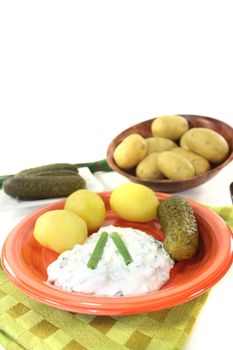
(148, 271)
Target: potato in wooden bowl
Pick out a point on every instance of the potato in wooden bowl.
(209, 168)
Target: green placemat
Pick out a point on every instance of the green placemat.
(28, 324)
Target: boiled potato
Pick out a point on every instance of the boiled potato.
(169, 126)
(60, 230)
(207, 143)
(130, 151)
(174, 166)
(89, 206)
(147, 168)
(200, 164)
(134, 202)
(159, 144)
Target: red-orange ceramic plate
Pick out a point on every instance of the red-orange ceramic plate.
(25, 262)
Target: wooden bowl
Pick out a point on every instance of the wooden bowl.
(166, 185)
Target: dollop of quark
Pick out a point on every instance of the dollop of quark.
(148, 271)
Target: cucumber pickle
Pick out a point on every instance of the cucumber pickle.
(45, 168)
(180, 228)
(48, 181)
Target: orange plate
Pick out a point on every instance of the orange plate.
(25, 262)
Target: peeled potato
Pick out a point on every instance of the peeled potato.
(89, 206)
(169, 126)
(147, 168)
(134, 202)
(174, 166)
(159, 144)
(60, 230)
(199, 163)
(130, 151)
(207, 143)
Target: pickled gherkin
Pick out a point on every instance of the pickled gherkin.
(47, 168)
(48, 181)
(180, 227)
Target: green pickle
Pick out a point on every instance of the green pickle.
(45, 168)
(48, 181)
(180, 228)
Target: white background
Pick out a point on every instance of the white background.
(76, 73)
(73, 74)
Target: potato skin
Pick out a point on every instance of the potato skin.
(130, 151)
(206, 143)
(169, 126)
(147, 168)
(60, 230)
(183, 142)
(174, 166)
(200, 164)
(159, 144)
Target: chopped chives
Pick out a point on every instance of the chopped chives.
(121, 247)
(98, 251)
